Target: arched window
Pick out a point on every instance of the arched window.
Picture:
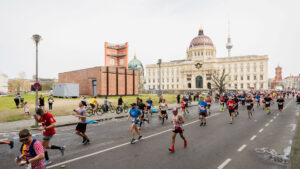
(199, 82)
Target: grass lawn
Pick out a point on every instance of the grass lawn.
(63, 106)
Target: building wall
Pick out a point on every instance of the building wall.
(292, 82)
(110, 80)
(116, 49)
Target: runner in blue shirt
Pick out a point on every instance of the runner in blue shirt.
(149, 105)
(135, 115)
(202, 111)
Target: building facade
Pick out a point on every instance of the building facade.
(116, 54)
(278, 77)
(103, 81)
(292, 82)
(3, 83)
(196, 71)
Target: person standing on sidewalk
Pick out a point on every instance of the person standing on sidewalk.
(26, 110)
(178, 99)
(177, 121)
(10, 143)
(17, 100)
(42, 102)
(48, 128)
(50, 102)
(81, 125)
(135, 115)
(32, 151)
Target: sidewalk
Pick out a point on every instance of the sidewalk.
(67, 120)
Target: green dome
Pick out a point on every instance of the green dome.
(135, 64)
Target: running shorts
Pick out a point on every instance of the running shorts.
(204, 114)
(280, 107)
(249, 107)
(208, 106)
(93, 105)
(231, 111)
(178, 130)
(81, 127)
(164, 112)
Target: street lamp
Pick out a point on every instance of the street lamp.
(36, 39)
(159, 72)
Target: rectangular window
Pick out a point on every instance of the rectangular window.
(121, 61)
(167, 80)
(254, 69)
(112, 62)
(261, 68)
(167, 86)
(149, 81)
(235, 77)
(163, 80)
(235, 86)
(248, 69)
(153, 80)
(229, 77)
(172, 81)
(254, 85)
(261, 85)
(242, 69)
(248, 86)
(229, 85)
(229, 70)
(163, 86)
(177, 80)
(242, 86)
(261, 77)
(242, 77)
(172, 86)
(254, 77)
(248, 77)
(153, 86)
(235, 70)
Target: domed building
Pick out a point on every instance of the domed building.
(195, 72)
(136, 64)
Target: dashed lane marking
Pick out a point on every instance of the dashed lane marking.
(224, 163)
(253, 137)
(242, 148)
(261, 130)
(271, 120)
(267, 125)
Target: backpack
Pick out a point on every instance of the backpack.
(31, 149)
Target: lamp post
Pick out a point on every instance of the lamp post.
(159, 74)
(36, 39)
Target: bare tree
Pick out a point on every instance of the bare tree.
(219, 81)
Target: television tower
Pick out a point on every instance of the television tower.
(229, 45)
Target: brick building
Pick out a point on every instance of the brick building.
(278, 77)
(116, 54)
(103, 81)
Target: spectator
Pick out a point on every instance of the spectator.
(26, 109)
(178, 99)
(17, 100)
(50, 102)
(42, 102)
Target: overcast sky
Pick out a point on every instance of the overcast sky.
(74, 31)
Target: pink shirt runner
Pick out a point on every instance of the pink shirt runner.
(38, 148)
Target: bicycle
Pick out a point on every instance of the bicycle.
(98, 111)
(123, 108)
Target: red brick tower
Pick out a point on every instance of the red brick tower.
(278, 75)
(116, 54)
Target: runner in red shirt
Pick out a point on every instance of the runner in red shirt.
(231, 105)
(48, 125)
(208, 101)
(222, 102)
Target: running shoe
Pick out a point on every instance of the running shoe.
(62, 150)
(83, 140)
(47, 162)
(185, 144)
(11, 144)
(204, 124)
(201, 124)
(140, 137)
(132, 141)
(171, 149)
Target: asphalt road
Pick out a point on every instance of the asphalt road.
(218, 145)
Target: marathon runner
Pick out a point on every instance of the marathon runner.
(268, 101)
(280, 102)
(142, 108)
(257, 97)
(163, 107)
(32, 151)
(10, 143)
(149, 106)
(222, 103)
(249, 102)
(231, 104)
(81, 125)
(202, 111)
(208, 100)
(135, 114)
(48, 128)
(177, 121)
(236, 108)
(183, 107)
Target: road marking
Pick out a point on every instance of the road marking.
(267, 125)
(275, 117)
(224, 163)
(118, 146)
(253, 137)
(242, 148)
(271, 120)
(261, 130)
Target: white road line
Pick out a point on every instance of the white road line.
(267, 125)
(224, 163)
(242, 148)
(253, 137)
(275, 117)
(118, 146)
(261, 130)
(271, 120)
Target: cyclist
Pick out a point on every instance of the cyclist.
(177, 121)
(105, 104)
(280, 102)
(208, 100)
(231, 104)
(120, 103)
(202, 111)
(10, 143)
(149, 105)
(135, 114)
(32, 151)
(93, 103)
(163, 107)
(81, 125)
(48, 128)
(268, 101)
